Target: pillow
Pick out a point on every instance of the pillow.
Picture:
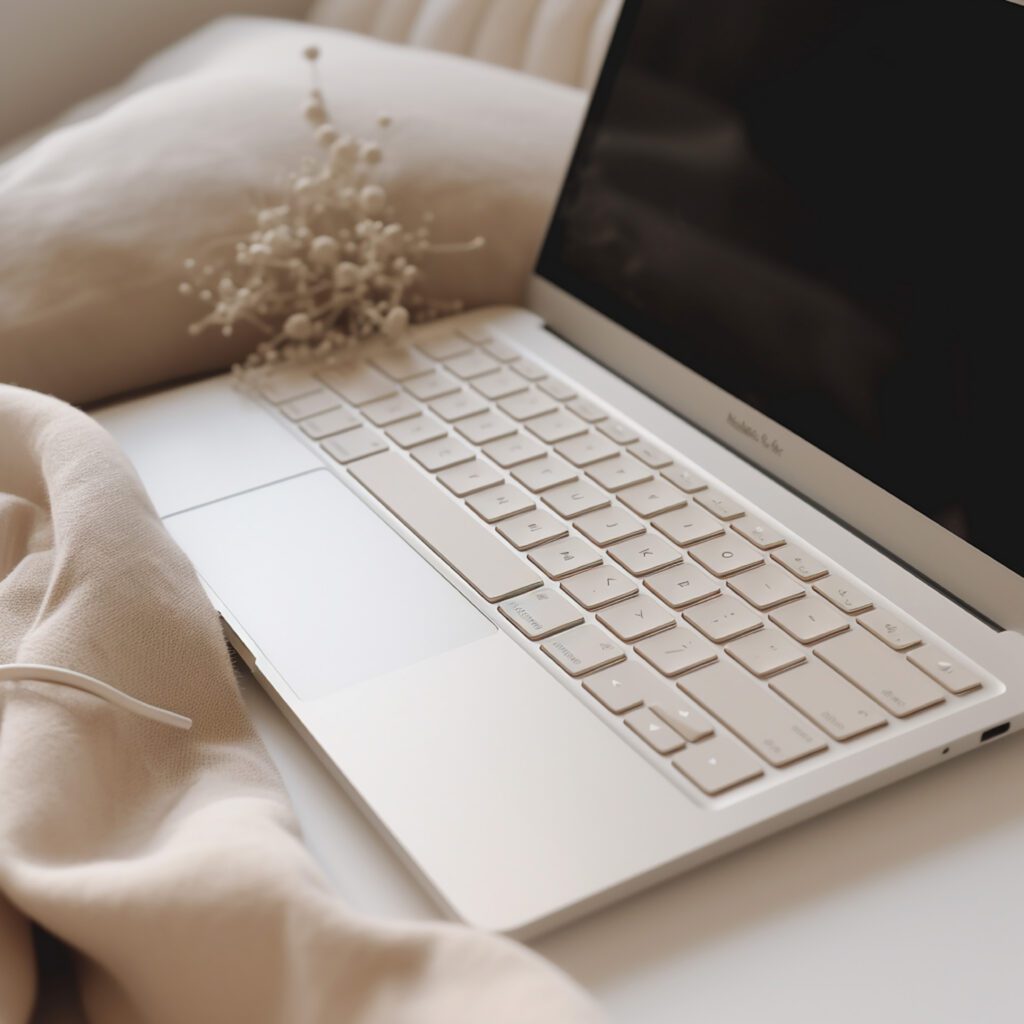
(97, 217)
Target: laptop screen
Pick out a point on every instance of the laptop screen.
(818, 205)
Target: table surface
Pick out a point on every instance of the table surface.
(901, 906)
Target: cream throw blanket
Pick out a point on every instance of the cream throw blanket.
(170, 861)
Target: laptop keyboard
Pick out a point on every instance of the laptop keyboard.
(694, 624)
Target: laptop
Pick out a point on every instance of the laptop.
(717, 531)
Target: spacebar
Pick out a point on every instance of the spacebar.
(465, 544)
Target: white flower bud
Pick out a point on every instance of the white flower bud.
(346, 274)
(298, 327)
(324, 250)
(396, 321)
(372, 199)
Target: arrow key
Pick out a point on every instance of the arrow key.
(654, 732)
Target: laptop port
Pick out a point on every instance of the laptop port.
(996, 730)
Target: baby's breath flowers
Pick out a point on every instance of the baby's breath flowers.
(329, 266)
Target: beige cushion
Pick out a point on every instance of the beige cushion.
(563, 40)
(96, 218)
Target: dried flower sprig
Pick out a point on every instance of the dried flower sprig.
(330, 266)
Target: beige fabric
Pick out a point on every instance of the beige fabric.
(170, 861)
(564, 40)
(96, 218)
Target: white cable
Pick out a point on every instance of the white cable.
(65, 677)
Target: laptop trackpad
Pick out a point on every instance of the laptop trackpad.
(328, 593)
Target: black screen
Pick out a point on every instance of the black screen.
(819, 206)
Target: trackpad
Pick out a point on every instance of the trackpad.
(327, 591)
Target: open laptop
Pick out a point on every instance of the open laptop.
(719, 531)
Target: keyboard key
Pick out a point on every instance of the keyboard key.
(719, 505)
(328, 423)
(446, 347)
(676, 651)
(557, 389)
(540, 613)
(900, 687)
(652, 498)
(513, 450)
(487, 426)
(760, 534)
(390, 410)
(654, 732)
(528, 369)
(442, 453)
(500, 384)
(618, 432)
(608, 526)
(889, 629)
(684, 479)
(621, 688)
(542, 474)
(532, 528)
(556, 426)
(476, 333)
(432, 385)
(683, 717)
(725, 556)
(722, 618)
(636, 618)
(312, 404)
(809, 620)
(582, 650)
(564, 557)
(650, 455)
(418, 430)
(616, 473)
(717, 764)
(286, 385)
(944, 670)
(766, 652)
(527, 404)
(573, 499)
(687, 525)
(588, 410)
(476, 553)
(359, 384)
(767, 587)
(682, 585)
(598, 587)
(844, 595)
(586, 448)
(801, 564)
(354, 444)
(457, 406)
(500, 350)
(470, 477)
(829, 701)
(644, 555)
(401, 363)
(766, 724)
(501, 502)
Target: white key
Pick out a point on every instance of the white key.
(286, 385)
(470, 477)
(766, 587)
(529, 370)
(618, 432)
(675, 710)
(650, 455)
(354, 444)
(532, 528)
(944, 670)
(719, 505)
(540, 613)
(608, 526)
(682, 585)
(844, 595)
(886, 677)
(583, 650)
(513, 450)
(432, 385)
(684, 479)
(328, 423)
(500, 350)
(442, 453)
(501, 502)
(500, 384)
(587, 410)
(543, 474)
(476, 333)
(446, 347)
(725, 556)
(809, 620)
(401, 363)
(586, 448)
(458, 406)
(636, 618)
(676, 651)
(487, 426)
(526, 405)
(646, 554)
(722, 618)
(616, 473)
(889, 629)
(556, 426)
(801, 564)
(759, 534)
(716, 765)
(557, 389)
(564, 557)
(687, 525)
(359, 384)
(391, 410)
(312, 404)
(620, 688)
(418, 430)
(599, 586)
(765, 723)
(766, 652)
(829, 701)
(573, 499)
(654, 732)
(652, 498)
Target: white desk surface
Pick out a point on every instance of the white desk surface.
(904, 906)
